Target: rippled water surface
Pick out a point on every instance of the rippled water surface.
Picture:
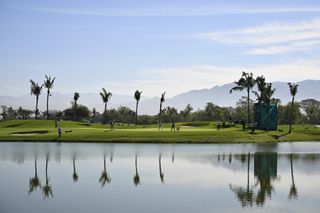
(49, 177)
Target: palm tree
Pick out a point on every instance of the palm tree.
(104, 178)
(34, 182)
(36, 90)
(160, 170)
(48, 83)
(247, 82)
(105, 98)
(162, 99)
(293, 189)
(47, 189)
(137, 96)
(136, 177)
(76, 97)
(74, 175)
(293, 91)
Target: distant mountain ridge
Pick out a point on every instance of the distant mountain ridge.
(197, 98)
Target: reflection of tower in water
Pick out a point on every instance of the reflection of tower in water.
(265, 171)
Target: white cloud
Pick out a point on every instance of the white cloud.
(178, 80)
(272, 38)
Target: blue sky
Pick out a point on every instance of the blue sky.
(155, 46)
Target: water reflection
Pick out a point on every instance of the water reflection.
(75, 176)
(34, 182)
(104, 178)
(249, 180)
(47, 188)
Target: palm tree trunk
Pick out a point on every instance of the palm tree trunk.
(104, 164)
(37, 111)
(74, 166)
(160, 113)
(47, 170)
(291, 111)
(137, 112)
(105, 111)
(292, 178)
(248, 90)
(48, 94)
(248, 175)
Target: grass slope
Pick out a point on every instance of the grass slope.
(191, 132)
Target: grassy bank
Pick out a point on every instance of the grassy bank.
(190, 132)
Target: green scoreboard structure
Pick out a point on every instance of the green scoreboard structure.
(265, 116)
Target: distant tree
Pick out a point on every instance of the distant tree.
(247, 82)
(36, 90)
(81, 113)
(265, 90)
(4, 112)
(162, 99)
(293, 91)
(105, 96)
(24, 113)
(284, 112)
(48, 84)
(312, 110)
(137, 96)
(186, 112)
(76, 97)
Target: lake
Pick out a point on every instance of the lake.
(80, 177)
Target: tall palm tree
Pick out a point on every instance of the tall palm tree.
(136, 177)
(293, 91)
(74, 175)
(105, 96)
(34, 182)
(293, 189)
(137, 96)
(160, 170)
(48, 83)
(36, 90)
(104, 178)
(76, 97)
(247, 82)
(162, 99)
(47, 189)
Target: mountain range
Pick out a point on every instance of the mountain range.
(150, 105)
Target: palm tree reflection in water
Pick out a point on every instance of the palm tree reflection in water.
(34, 182)
(136, 177)
(74, 175)
(160, 170)
(47, 189)
(293, 189)
(104, 176)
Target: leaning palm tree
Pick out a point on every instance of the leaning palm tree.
(162, 99)
(76, 97)
(136, 177)
(293, 91)
(47, 189)
(137, 96)
(34, 182)
(247, 82)
(74, 175)
(104, 178)
(36, 90)
(48, 83)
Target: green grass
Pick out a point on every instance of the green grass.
(191, 132)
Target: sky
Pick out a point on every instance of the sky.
(155, 46)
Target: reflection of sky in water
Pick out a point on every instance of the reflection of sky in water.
(198, 180)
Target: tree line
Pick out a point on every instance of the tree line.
(287, 114)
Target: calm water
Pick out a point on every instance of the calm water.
(44, 177)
